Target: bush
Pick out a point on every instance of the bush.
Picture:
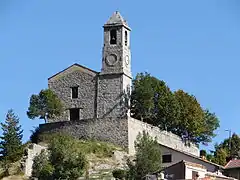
(119, 174)
(34, 138)
(65, 160)
(42, 168)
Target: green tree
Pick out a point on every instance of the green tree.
(220, 157)
(45, 105)
(231, 146)
(180, 113)
(147, 157)
(191, 116)
(11, 139)
(153, 102)
(64, 161)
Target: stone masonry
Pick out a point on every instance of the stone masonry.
(99, 94)
(97, 103)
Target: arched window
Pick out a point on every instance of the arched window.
(126, 38)
(113, 36)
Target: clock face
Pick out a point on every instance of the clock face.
(111, 60)
(127, 60)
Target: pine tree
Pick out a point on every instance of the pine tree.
(11, 139)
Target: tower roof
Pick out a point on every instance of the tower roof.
(116, 20)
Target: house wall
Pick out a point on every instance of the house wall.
(178, 156)
(177, 171)
(190, 169)
(163, 137)
(233, 173)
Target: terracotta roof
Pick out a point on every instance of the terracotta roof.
(235, 163)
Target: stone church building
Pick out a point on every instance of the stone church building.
(89, 94)
(97, 103)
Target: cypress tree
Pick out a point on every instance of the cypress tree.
(11, 147)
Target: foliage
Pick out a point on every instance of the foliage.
(11, 139)
(147, 158)
(203, 153)
(34, 137)
(42, 168)
(220, 157)
(65, 160)
(45, 105)
(153, 102)
(231, 146)
(100, 149)
(119, 174)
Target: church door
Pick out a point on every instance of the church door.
(74, 114)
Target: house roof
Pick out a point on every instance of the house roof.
(116, 20)
(80, 67)
(235, 163)
(196, 157)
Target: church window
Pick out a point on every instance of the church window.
(167, 158)
(74, 92)
(126, 38)
(113, 36)
(74, 114)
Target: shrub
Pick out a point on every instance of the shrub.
(119, 174)
(65, 160)
(42, 168)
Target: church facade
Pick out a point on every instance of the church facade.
(88, 94)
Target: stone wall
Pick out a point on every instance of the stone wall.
(163, 137)
(32, 151)
(110, 96)
(87, 83)
(113, 130)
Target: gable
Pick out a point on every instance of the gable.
(70, 69)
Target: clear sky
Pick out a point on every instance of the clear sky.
(192, 45)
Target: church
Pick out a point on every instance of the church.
(97, 103)
(89, 94)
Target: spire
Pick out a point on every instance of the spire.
(115, 20)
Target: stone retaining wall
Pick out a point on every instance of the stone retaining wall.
(113, 130)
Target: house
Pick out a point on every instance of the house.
(171, 156)
(188, 170)
(232, 168)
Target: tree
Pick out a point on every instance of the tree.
(147, 158)
(64, 161)
(231, 146)
(11, 139)
(220, 157)
(153, 102)
(180, 113)
(45, 105)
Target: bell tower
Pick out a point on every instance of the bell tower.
(115, 78)
(116, 48)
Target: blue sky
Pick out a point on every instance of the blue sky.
(192, 45)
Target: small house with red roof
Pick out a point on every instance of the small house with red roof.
(232, 168)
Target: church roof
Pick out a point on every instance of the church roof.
(116, 20)
(73, 67)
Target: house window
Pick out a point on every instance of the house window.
(126, 38)
(113, 36)
(74, 114)
(74, 92)
(167, 158)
